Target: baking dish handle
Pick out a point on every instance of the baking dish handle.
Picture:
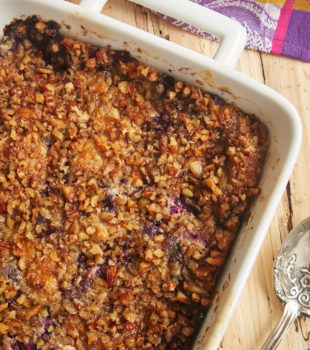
(95, 5)
(231, 34)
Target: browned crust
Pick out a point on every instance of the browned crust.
(121, 192)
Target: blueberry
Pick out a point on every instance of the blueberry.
(152, 229)
(108, 203)
(81, 260)
(48, 141)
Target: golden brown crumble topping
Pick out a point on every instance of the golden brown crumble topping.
(121, 191)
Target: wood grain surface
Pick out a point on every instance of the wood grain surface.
(258, 308)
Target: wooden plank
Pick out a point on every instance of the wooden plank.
(292, 79)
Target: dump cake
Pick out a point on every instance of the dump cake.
(121, 192)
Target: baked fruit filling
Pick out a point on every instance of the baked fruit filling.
(121, 192)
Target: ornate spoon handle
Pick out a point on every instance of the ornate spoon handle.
(291, 312)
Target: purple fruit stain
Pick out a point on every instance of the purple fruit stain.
(102, 184)
(199, 237)
(11, 272)
(17, 345)
(86, 283)
(101, 271)
(161, 123)
(47, 322)
(48, 141)
(176, 206)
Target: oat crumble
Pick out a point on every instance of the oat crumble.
(121, 192)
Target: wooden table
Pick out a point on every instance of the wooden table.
(258, 308)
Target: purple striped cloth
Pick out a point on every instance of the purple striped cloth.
(277, 26)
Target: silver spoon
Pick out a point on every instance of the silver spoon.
(291, 280)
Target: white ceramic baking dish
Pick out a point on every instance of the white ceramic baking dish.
(215, 75)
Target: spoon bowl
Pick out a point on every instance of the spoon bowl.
(291, 279)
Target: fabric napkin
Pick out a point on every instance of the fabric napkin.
(277, 26)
